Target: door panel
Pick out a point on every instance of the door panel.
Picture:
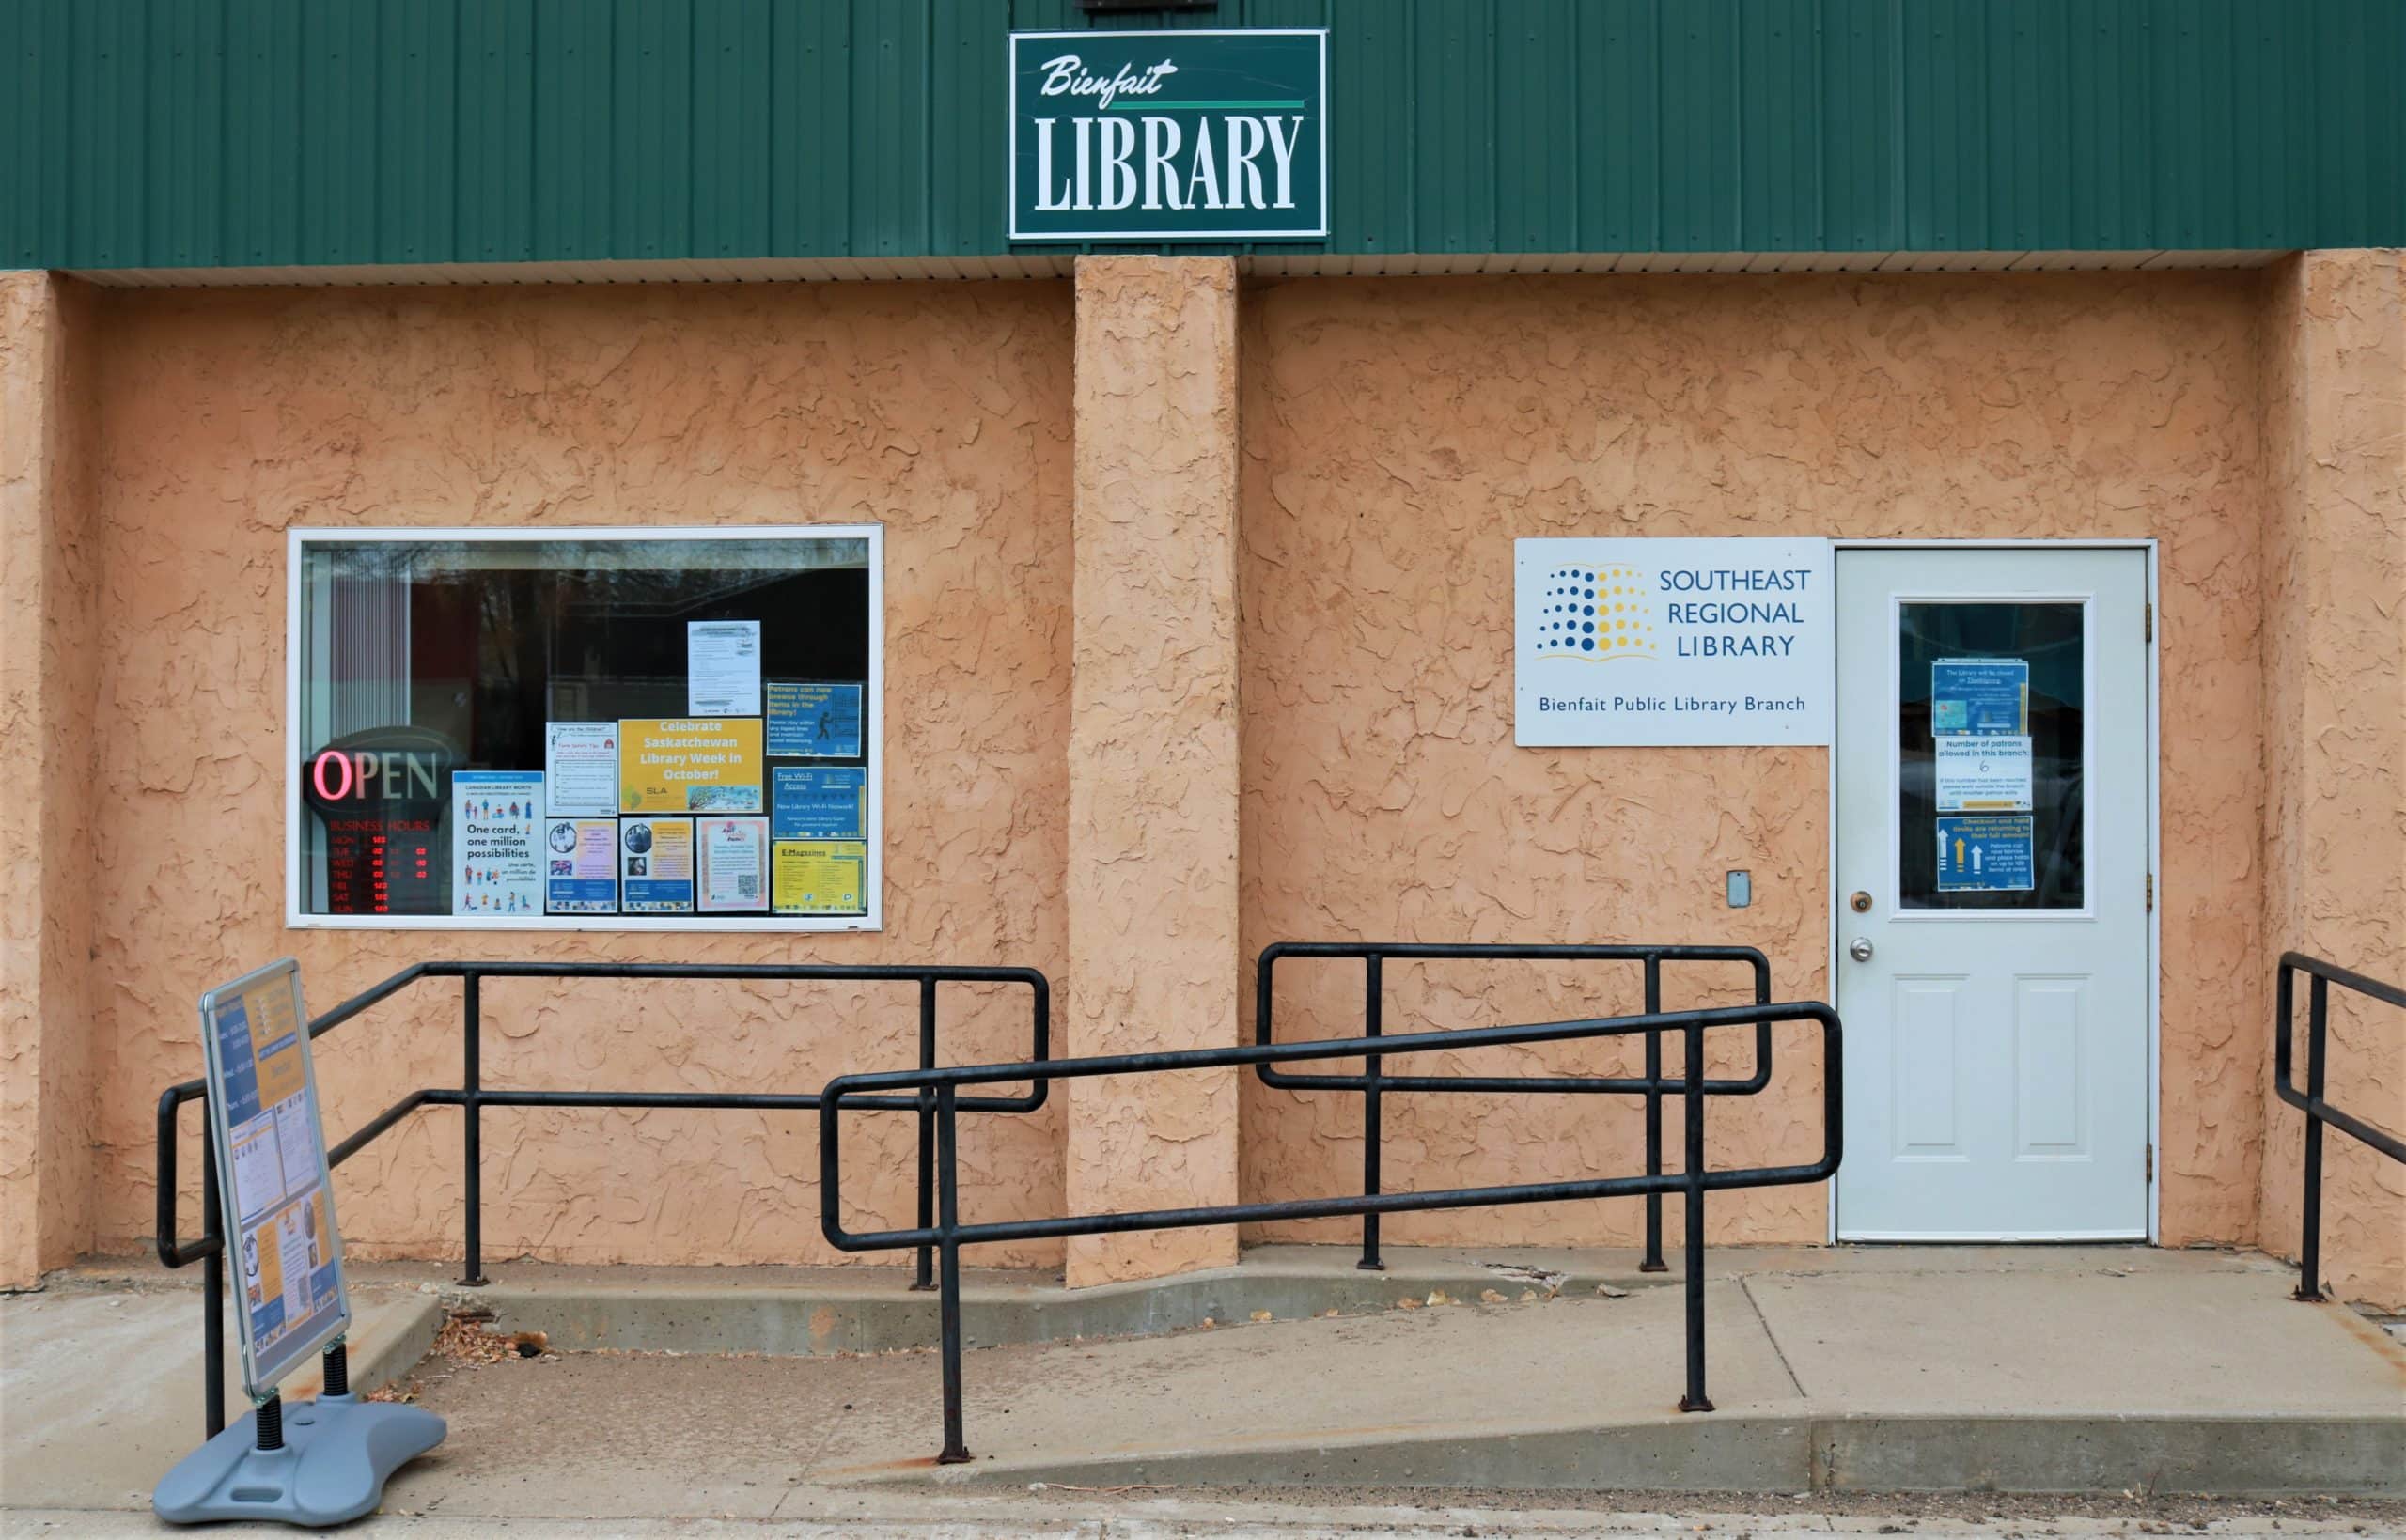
(1993, 789)
(1929, 1121)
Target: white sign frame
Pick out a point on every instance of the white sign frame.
(1644, 688)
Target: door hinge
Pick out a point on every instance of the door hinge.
(2151, 893)
(2151, 1162)
(2151, 621)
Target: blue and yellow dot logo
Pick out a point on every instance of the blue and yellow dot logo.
(1595, 612)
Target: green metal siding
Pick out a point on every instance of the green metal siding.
(154, 134)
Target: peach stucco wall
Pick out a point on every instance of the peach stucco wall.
(2334, 644)
(940, 409)
(1152, 879)
(49, 1084)
(1399, 435)
(1314, 741)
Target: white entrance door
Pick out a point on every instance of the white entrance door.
(1992, 791)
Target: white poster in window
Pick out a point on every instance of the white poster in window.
(1983, 774)
(734, 865)
(496, 842)
(581, 768)
(723, 668)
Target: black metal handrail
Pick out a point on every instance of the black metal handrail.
(473, 1096)
(947, 1233)
(2321, 976)
(1373, 1084)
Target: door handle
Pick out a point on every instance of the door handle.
(1859, 949)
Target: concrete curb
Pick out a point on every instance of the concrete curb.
(882, 1314)
(394, 1344)
(390, 1335)
(2161, 1456)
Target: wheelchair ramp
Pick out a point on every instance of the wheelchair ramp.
(2089, 1371)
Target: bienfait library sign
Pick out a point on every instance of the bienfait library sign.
(1169, 135)
(1655, 643)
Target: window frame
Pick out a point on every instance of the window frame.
(872, 728)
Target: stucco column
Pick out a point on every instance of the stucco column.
(47, 683)
(1152, 878)
(2334, 651)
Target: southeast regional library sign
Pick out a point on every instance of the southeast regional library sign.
(1169, 135)
(1659, 642)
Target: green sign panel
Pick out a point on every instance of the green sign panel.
(1169, 135)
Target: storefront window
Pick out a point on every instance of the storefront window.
(587, 729)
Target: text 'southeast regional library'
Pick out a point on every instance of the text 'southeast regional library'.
(1104, 489)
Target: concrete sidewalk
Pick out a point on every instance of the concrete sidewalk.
(2080, 1369)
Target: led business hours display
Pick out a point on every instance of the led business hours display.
(263, 1114)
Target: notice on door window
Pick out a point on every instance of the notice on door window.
(581, 863)
(723, 668)
(581, 768)
(656, 866)
(1979, 695)
(815, 721)
(822, 876)
(1981, 774)
(1984, 853)
(734, 865)
(496, 842)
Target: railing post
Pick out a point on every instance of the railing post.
(2309, 1251)
(925, 1276)
(212, 1289)
(956, 1449)
(1374, 1016)
(1696, 1400)
(1652, 1261)
(472, 1123)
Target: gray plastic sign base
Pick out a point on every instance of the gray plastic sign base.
(337, 1451)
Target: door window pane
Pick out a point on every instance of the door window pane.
(1989, 750)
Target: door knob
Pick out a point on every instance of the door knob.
(1859, 949)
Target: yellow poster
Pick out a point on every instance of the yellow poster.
(281, 1074)
(690, 765)
(820, 877)
(263, 1262)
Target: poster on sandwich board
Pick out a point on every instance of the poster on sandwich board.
(278, 1193)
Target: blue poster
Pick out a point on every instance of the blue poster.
(1984, 853)
(815, 801)
(1979, 696)
(814, 721)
